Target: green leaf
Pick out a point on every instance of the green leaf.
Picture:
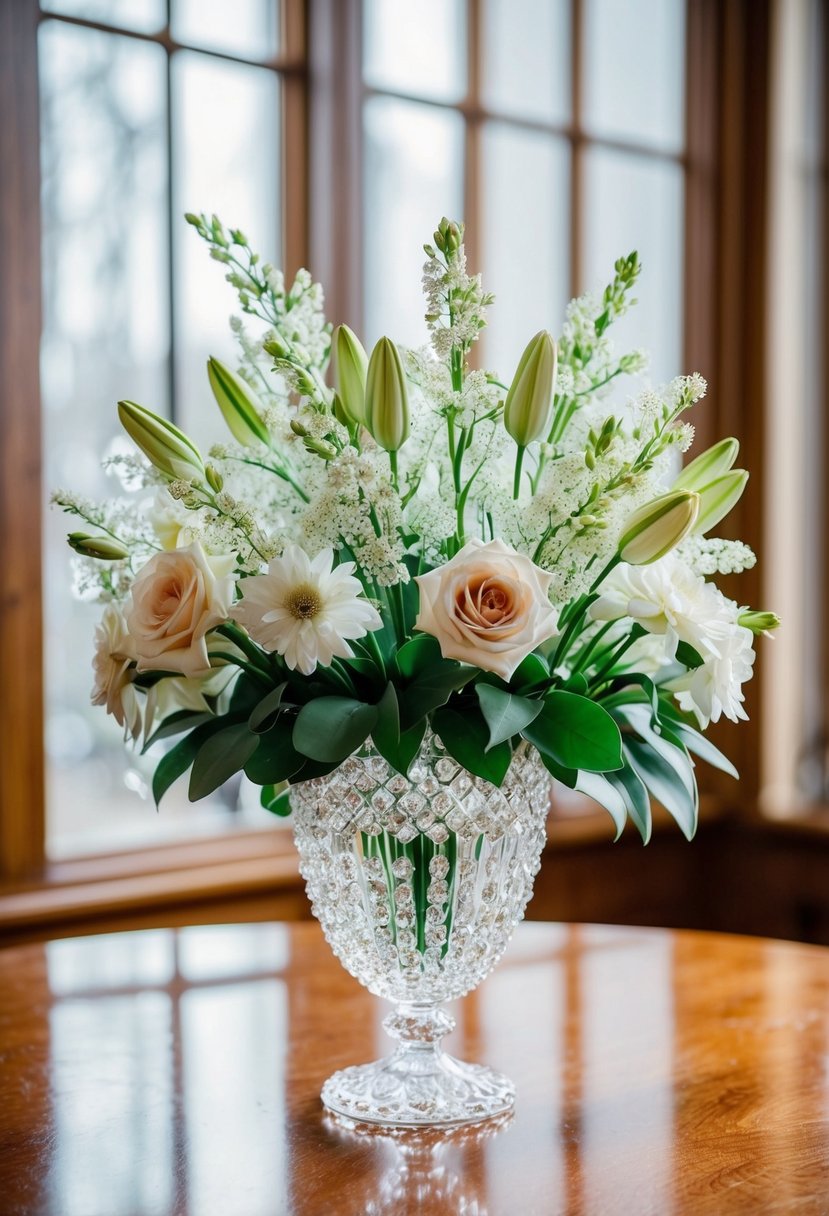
(418, 653)
(175, 724)
(431, 689)
(667, 774)
(386, 732)
(263, 715)
(601, 790)
(636, 679)
(246, 695)
(576, 733)
(531, 670)
(179, 758)
(638, 803)
(576, 683)
(276, 799)
(275, 759)
(223, 754)
(465, 736)
(505, 713)
(688, 656)
(401, 755)
(695, 741)
(331, 728)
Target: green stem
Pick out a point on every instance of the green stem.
(612, 661)
(519, 461)
(393, 467)
(588, 650)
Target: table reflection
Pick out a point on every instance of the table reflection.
(179, 1072)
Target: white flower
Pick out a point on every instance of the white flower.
(176, 599)
(488, 606)
(666, 598)
(305, 610)
(112, 665)
(715, 688)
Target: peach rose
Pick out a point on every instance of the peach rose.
(176, 598)
(488, 606)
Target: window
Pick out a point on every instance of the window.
(140, 120)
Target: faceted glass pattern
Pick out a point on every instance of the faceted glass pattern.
(418, 884)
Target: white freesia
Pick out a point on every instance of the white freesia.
(305, 609)
(112, 665)
(176, 599)
(488, 606)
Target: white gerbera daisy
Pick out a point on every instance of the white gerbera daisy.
(305, 610)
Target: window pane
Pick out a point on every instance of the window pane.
(145, 16)
(225, 154)
(635, 70)
(246, 27)
(525, 239)
(527, 58)
(416, 48)
(413, 176)
(636, 203)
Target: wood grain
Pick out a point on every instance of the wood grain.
(178, 1071)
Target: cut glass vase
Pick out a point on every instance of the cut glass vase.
(418, 884)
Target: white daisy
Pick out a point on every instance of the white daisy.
(305, 610)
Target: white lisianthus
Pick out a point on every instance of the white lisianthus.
(488, 606)
(176, 599)
(112, 665)
(306, 610)
(169, 520)
(715, 688)
(666, 598)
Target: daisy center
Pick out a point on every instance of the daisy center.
(303, 602)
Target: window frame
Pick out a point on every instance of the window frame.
(727, 54)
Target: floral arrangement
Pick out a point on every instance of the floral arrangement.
(414, 543)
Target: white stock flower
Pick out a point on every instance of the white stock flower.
(112, 665)
(176, 599)
(306, 610)
(488, 606)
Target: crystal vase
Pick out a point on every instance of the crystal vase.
(418, 884)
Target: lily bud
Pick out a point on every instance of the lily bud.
(352, 369)
(164, 445)
(214, 478)
(657, 527)
(529, 404)
(759, 622)
(241, 408)
(710, 464)
(387, 399)
(103, 547)
(718, 497)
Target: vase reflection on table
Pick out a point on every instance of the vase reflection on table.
(418, 884)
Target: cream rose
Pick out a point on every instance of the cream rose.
(176, 598)
(488, 606)
(112, 665)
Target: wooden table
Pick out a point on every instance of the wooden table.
(179, 1072)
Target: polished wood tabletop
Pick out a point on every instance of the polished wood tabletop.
(178, 1071)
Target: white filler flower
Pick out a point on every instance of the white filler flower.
(305, 610)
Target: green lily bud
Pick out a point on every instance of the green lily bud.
(214, 478)
(352, 369)
(164, 445)
(718, 497)
(298, 429)
(387, 399)
(759, 622)
(529, 402)
(657, 527)
(710, 464)
(241, 408)
(103, 547)
(320, 447)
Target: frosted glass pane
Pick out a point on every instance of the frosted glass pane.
(145, 16)
(225, 153)
(245, 27)
(635, 70)
(413, 176)
(525, 239)
(527, 58)
(636, 203)
(416, 48)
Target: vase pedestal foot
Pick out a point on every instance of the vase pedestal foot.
(419, 1084)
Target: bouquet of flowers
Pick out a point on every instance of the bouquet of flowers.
(417, 544)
